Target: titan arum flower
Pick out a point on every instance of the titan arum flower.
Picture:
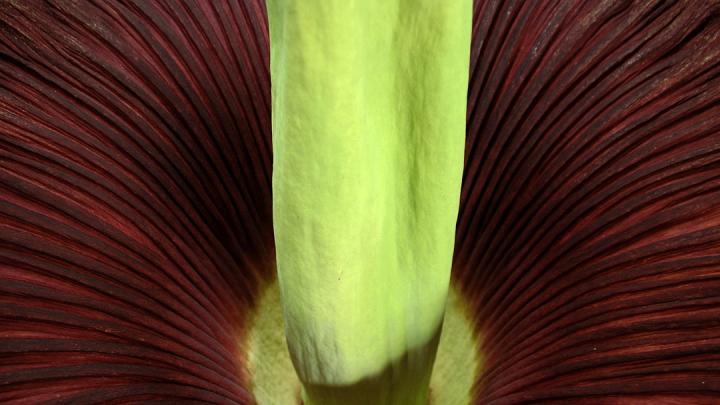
(139, 190)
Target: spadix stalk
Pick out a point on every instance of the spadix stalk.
(368, 135)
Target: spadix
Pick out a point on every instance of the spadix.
(369, 103)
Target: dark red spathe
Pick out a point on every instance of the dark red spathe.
(135, 220)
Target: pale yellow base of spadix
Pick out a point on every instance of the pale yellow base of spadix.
(273, 378)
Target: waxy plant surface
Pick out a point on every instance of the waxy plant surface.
(368, 111)
(137, 249)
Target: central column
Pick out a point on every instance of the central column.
(368, 104)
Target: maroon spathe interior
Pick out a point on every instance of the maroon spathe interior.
(135, 207)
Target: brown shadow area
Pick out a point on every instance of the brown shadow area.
(404, 381)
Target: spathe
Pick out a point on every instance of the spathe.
(136, 200)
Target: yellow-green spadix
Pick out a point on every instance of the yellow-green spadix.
(368, 134)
